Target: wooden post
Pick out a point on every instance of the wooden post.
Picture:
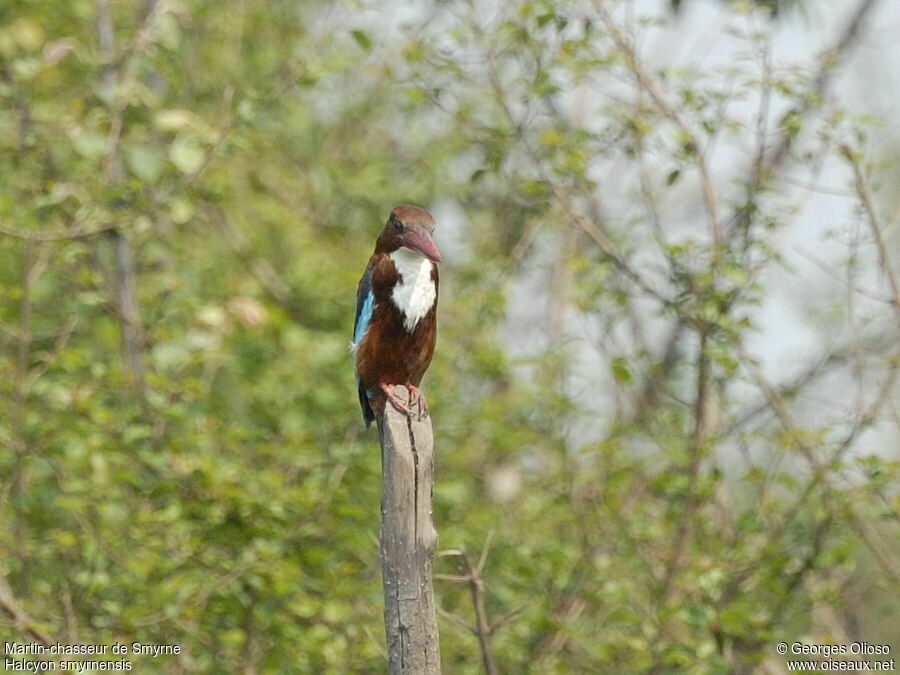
(408, 542)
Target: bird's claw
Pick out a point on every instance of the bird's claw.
(416, 400)
(415, 394)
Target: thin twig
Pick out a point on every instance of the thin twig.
(686, 520)
(10, 606)
(875, 226)
(56, 235)
(774, 160)
(648, 85)
(471, 574)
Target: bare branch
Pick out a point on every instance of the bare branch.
(470, 574)
(58, 235)
(10, 606)
(125, 278)
(865, 197)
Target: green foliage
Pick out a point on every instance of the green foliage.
(216, 489)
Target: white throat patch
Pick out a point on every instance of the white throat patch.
(414, 293)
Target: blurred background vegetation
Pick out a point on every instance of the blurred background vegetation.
(189, 191)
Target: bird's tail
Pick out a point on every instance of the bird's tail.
(368, 413)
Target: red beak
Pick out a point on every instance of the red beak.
(419, 240)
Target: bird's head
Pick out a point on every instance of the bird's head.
(409, 227)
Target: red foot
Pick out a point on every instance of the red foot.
(415, 394)
(416, 401)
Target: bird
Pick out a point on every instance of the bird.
(395, 329)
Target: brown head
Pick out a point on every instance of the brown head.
(410, 227)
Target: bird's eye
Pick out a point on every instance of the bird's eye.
(397, 225)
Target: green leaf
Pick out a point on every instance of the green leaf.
(621, 372)
(362, 39)
(175, 119)
(187, 154)
(90, 144)
(145, 162)
(181, 210)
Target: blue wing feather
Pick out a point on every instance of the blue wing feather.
(365, 307)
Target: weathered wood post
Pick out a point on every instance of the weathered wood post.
(408, 542)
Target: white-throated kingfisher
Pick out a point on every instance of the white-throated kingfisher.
(396, 307)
